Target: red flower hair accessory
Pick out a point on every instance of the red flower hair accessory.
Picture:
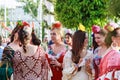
(57, 24)
(25, 23)
(22, 23)
(95, 29)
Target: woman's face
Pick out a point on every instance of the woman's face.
(86, 41)
(68, 39)
(99, 39)
(55, 36)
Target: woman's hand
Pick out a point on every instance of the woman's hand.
(88, 66)
(80, 62)
(55, 63)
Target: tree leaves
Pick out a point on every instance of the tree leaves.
(87, 12)
(114, 7)
(1, 13)
(31, 7)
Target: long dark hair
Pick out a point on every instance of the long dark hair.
(78, 45)
(94, 43)
(35, 39)
(69, 34)
(23, 38)
(15, 30)
(24, 35)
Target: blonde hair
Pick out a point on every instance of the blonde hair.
(59, 31)
(57, 26)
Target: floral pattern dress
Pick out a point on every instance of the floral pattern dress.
(33, 67)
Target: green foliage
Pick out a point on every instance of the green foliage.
(87, 12)
(114, 7)
(46, 11)
(52, 1)
(1, 13)
(31, 7)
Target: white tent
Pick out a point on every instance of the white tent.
(10, 3)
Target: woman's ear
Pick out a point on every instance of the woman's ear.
(113, 39)
(86, 42)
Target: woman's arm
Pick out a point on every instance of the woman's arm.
(69, 68)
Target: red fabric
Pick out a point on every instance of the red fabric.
(57, 71)
(106, 79)
(110, 62)
(97, 70)
(104, 63)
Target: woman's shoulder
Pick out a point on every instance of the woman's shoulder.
(68, 53)
(8, 48)
(95, 52)
(89, 54)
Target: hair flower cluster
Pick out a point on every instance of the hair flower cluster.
(110, 26)
(57, 24)
(22, 23)
(95, 29)
(81, 27)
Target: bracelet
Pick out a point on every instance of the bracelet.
(77, 65)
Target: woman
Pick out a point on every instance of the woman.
(27, 54)
(99, 51)
(68, 40)
(76, 61)
(8, 53)
(6, 69)
(110, 63)
(56, 51)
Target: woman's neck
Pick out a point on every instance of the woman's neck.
(70, 44)
(103, 46)
(15, 42)
(59, 43)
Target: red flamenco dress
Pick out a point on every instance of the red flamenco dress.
(56, 70)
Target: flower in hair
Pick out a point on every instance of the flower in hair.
(22, 23)
(57, 24)
(110, 26)
(19, 22)
(81, 27)
(25, 24)
(95, 29)
(68, 31)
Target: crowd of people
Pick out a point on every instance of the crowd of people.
(64, 57)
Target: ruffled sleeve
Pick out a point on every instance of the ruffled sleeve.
(68, 67)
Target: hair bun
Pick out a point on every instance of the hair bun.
(57, 24)
(95, 29)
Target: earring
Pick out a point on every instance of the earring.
(114, 45)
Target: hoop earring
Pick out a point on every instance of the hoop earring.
(114, 45)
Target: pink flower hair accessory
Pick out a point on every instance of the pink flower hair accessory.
(95, 29)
